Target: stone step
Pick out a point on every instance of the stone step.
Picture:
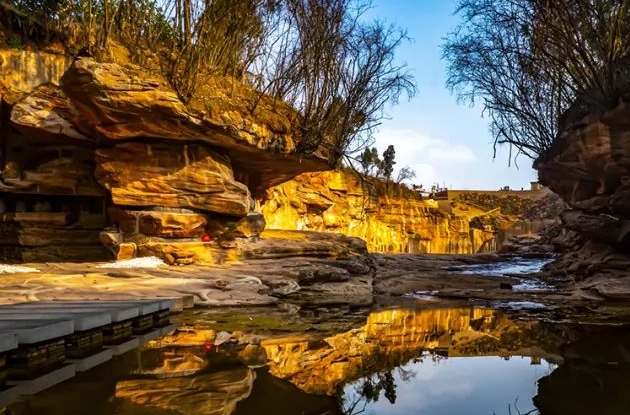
(35, 330)
(117, 313)
(82, 320)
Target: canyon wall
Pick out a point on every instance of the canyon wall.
(24, 70)
(113, 145)
(389, 217)
(588, 165)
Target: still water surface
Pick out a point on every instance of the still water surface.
(398, 362)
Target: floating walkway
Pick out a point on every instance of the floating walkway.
(46, 342)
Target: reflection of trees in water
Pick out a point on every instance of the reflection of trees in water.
(513, 409)
(377, 381)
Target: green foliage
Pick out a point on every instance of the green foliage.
(387, 165)
(369, 161)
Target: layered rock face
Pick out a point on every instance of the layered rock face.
(23, 70)
(115, 146)
(589, 167)
(390, 219)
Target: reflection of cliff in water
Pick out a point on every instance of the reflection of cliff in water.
(391, 338)
(384, 362)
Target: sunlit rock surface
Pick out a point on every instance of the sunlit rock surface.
(389, 218)
(311, 268)
(24, 70)
(45, 117)
(114, 149)
(171, 175)
(122, 103)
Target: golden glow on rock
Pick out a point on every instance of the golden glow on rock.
(389, 219)
(23, 70)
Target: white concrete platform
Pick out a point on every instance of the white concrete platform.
(117, 312)
(8, 341)
(37, 330)
(82, 321)
(31, 387)
(34, 322)
(124, 347)
(144, 306)
(81, 365)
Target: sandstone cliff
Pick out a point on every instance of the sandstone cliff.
(589, 167)
(390, 218)
(88, 145)
(114, 145)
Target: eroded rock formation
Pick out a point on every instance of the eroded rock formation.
(589, 167)
(389, 218)
(115, 146)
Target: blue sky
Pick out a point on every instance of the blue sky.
(443, 141)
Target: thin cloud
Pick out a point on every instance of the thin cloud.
(431, 158)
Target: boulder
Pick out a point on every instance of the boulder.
(121, 103)
(45, 116)
(250, 226)
(126, 250)
(162, 223)
(171, 175)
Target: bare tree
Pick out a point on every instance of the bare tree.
(322, 57)
(405, 173)
(337, 70)
(527, 61)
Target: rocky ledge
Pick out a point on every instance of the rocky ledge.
(113, 147)
(589, 167)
